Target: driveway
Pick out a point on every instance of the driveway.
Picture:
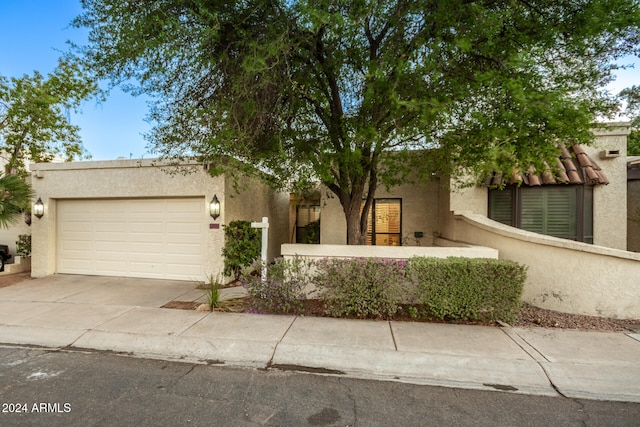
(100, 290)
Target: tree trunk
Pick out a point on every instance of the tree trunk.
(355, 234)
(357, 217)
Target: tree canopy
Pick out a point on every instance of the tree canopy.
(34, 124)
(360, 93)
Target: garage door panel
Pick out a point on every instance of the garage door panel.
(192, 271)
(142, 226)
(183, 249)
(105, 246)
(76, 226)
(194, 206)
(147, 248)
(156, 238)
(76, 245)
(110, 227)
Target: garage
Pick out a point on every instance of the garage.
(140, 237)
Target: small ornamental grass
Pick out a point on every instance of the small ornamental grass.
(361, 287)
(284, 289)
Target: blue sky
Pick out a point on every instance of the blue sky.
(32, 32)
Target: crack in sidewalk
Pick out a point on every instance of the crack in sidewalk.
(275, 348)
(532, 352)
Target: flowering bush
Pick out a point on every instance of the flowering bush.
(284, 289)
(361, 287)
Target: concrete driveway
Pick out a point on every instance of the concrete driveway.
(101, 290)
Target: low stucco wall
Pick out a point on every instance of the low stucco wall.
(391, 252)
(562, 275)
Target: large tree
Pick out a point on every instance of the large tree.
(34, 115)
(359, 93)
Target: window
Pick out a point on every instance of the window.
(308, 224)
(385, 222)
(564, 211)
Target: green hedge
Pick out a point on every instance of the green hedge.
(241, 247)
(467, 288)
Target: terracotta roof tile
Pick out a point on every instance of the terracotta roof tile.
(576, 168)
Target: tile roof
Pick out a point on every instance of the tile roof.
(573, 166)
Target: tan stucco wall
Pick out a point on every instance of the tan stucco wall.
(420, 207)
(562, 275)
(137, 179)
(253, 200)
(633, 212)
(610, 201)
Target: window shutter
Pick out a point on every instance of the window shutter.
(550, 211)
(561, 212)
(500, 206)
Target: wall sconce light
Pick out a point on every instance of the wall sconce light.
(38, 208)
(214, 207)
(27, 217)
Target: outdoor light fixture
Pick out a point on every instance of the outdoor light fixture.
(214, 207)
(38, 208)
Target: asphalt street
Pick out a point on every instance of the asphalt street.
(56, 387)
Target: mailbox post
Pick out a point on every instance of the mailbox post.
(264, 225)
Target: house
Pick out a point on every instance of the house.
(571, 232)
(586, 202)
(143, 218)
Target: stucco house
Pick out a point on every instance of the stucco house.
(141, 218)
(571, 232)
(586, 202)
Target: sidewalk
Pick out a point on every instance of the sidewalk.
(122, 315)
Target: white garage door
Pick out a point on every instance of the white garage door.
(154, 238)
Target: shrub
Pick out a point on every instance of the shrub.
(23, 245)
(241, 248)
(311, 232)
(284, 289)
(467, 288)
(361, 287)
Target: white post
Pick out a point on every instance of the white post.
(264, 225)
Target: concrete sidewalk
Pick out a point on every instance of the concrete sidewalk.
(123, 315)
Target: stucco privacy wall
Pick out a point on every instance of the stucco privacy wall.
(419, 213)
(633, 203)
(251, 201)
(130, 179)
(633, 223)
(562, 275)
